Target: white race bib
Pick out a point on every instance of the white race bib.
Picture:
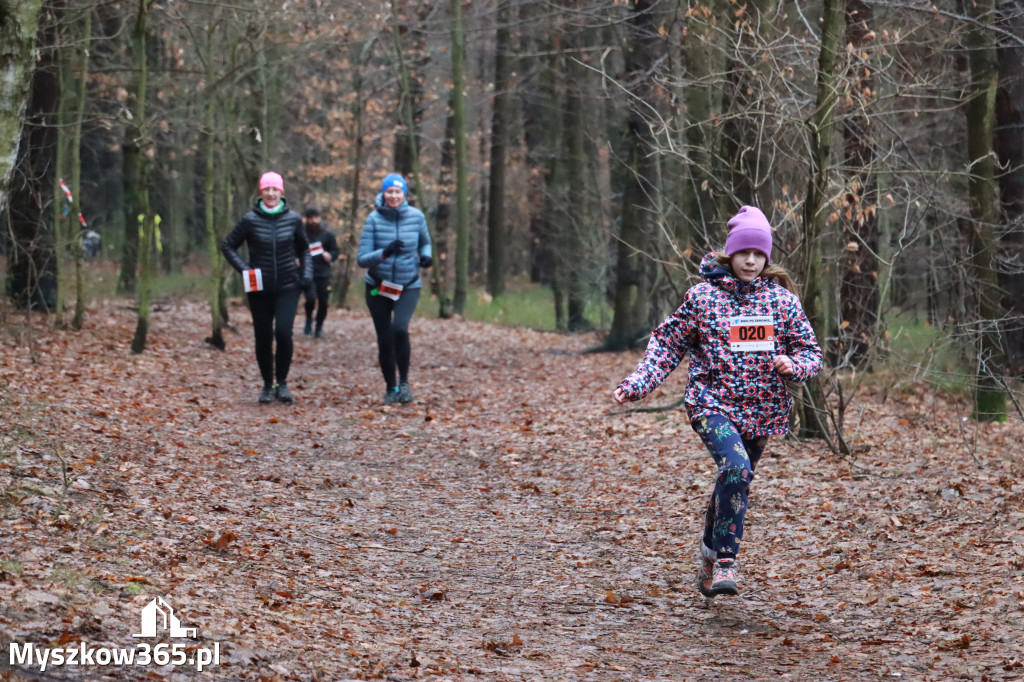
(316, 248)
(751, 333)
(253, 279)
(390, 290)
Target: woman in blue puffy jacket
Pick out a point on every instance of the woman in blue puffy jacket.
(394, 246)
(747, 336)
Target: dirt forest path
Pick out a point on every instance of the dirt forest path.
(510, 524)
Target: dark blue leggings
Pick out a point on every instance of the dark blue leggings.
(736, 458)
(391, 322)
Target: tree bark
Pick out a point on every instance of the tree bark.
(629, 319)
(990, 396)
(17, 64)
(76, 169)
(1009, 146)
(32, 280)
(858, 266)
(461, 162)
(144, 222)
(359, 53)
(442, 222)
(822, 126)
(497, 236)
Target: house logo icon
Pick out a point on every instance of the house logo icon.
(158, 614)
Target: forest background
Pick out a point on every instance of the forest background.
(596, 149)
(575, 160)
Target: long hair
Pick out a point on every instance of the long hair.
(773, 272)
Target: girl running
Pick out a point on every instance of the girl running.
(747, 336)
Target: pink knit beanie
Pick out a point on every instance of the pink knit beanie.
(749, 229)
(272, 179)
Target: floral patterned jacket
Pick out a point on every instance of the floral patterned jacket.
(732, 331)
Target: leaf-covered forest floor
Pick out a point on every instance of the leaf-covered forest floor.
(512, 523)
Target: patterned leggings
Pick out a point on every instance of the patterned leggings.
(736, 458)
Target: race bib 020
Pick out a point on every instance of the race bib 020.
(751, 333)
(316, 248)
(253, 279)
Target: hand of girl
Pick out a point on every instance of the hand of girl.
(620, 396)
(783, 365)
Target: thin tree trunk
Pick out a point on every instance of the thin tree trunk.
(76, 169)
(442, 223)
(213, 283)
(61, 220)
(822, 125)
(497, 235)
(145, 217)
(1009, 144)
(629, 321)
(461, 162)
(359, 53)
(858, 266)
(990, 396)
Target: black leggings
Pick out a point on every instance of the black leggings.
(317, 293)
(393, 332)
(273, 314)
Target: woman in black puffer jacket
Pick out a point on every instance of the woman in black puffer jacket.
(277, 242)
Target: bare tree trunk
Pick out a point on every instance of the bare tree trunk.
(76, 169)
(572, 256)
(822, 125)
(17, 63)
(629, 321)
(990, 395)
(145, 219)
(359, 53)
(442, 223)
(32, 281)
(497, 235)
(461, 162)
(1009, 145)
(858, 266)
(213, 282)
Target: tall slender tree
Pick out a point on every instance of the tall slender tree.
(497, 236)
(990, 395)
(822, 130)
(629, 321)
(858, 266)
(458, 43)
(145, 220)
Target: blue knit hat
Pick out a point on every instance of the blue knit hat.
(394, 180)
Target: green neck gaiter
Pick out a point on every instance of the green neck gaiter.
(272, 211)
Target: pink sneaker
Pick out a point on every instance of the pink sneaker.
(723, 578)
(704, 572)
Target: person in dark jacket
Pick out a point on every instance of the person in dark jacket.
(323, 248)
(273, 278)
(394, 246)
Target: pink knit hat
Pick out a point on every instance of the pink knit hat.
(272, 179)
(749, 229)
